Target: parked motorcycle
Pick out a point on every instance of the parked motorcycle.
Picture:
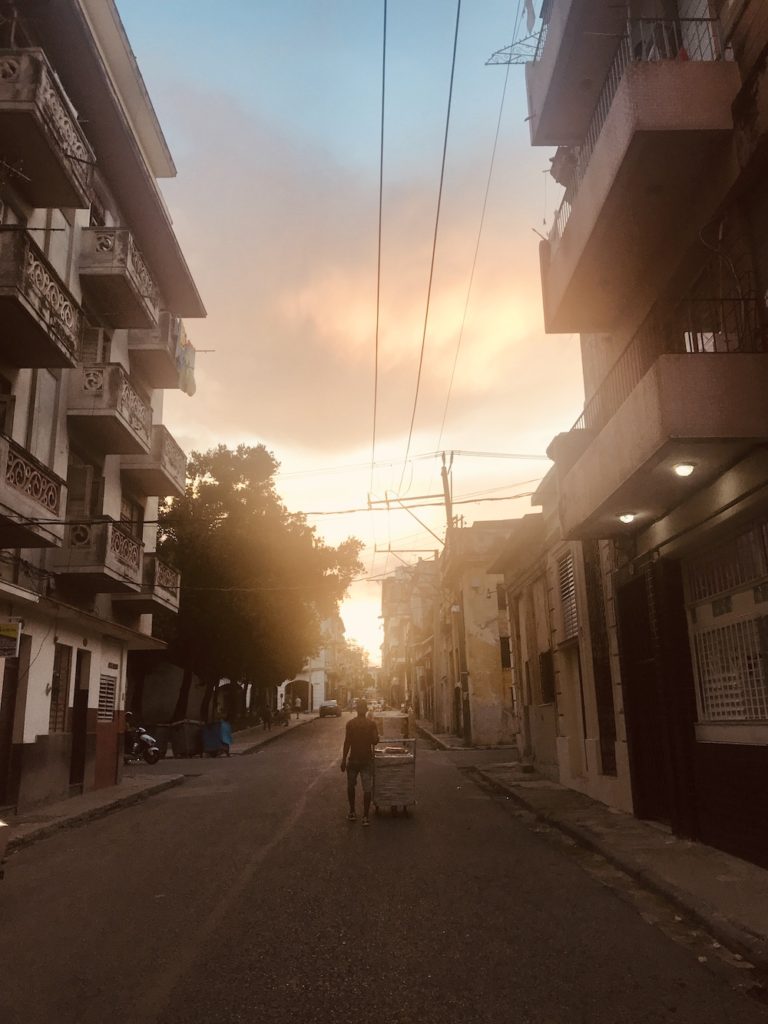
(139, 744)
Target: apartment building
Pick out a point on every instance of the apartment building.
(93, 286)
(658, 259)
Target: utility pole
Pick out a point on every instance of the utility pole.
(447, 495)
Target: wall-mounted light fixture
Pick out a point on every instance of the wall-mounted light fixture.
(627, 517)
(684, 468)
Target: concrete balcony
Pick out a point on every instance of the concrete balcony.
(115, 278)
(40, 321)
(565, 78)
(706, 409)
(155, 353)
(103, 557)
(30, 493)
(159, 589)
(42, 140)
(634, 183)
(106, 410)
(162, 472)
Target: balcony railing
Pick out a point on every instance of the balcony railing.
(172, 457)
(697, 327)
(28, 277)
(103, 400)
(31, 478)
(115, 274)
(166, 578)
(646, 40)
(41, 134)
(105, 551)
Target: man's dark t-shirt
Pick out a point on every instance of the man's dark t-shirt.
(361, 734)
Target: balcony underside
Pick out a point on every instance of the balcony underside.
(95, 579)
(642, 193)
(154, 364)
(563, 85)
(147, 602)
(705, 409)
(25, 339)
(18, 532)
(115, 300)
(148, 476)
(46, 178)
(105, 431)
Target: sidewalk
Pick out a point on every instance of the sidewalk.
(726, 895)
(246, 741)
(40, 822)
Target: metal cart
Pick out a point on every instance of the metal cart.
(394, 775)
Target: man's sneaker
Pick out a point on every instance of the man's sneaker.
(351, 816)
(365, 821)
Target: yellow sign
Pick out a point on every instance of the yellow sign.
(10, 634)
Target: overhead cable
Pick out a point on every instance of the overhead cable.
(378, 249)
(434, 246)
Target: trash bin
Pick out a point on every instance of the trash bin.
(217, 737)
(186, 738)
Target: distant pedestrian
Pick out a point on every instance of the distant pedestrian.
(297, 706)
(266, 717)
(360, 738)
(286, 711)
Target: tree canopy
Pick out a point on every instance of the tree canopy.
(256, 579)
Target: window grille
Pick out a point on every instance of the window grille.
(731, 670)
(107, 689)
(567, 581)
(62, 663)
(738, 562)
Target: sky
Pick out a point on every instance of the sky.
(272, 111)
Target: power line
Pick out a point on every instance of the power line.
(378, 255)
(434, 245)
(474, 258)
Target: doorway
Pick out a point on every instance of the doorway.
(7, 716)
(644, 705)
(80, 720)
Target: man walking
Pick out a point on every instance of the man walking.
(360, 738)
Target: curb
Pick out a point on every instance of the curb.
(427, 735)
(728, 932)
(279, 732)
(76, 820)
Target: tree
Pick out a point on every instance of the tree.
(256, 579)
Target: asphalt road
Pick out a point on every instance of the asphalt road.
(245, 896)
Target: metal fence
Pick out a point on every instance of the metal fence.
(696, 326)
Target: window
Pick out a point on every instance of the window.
(728, 628)
(132, 515)
(731, 671)
(62, 663)
(107, 690)
(567, 585)
(506, 654)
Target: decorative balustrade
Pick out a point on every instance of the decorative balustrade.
(696, 327)
(30, 477)
(30, 93)
(172, 458)
(105, 390)
(167, 578)
(26, 275)
(105, 552)
(117, 279)
(645, 40)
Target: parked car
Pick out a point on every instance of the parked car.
(330, 707)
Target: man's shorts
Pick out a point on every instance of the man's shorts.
(365, 772)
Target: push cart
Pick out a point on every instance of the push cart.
(394, 775)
